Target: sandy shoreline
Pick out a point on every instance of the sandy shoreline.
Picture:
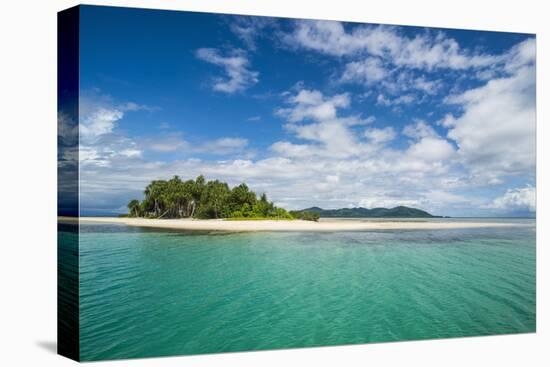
(326, 225)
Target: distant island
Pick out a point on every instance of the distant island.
(397, 212)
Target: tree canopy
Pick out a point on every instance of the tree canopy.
(175, 198)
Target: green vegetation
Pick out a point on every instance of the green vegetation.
(397, 212)
(305, 215)
(259, 218)
(198, 198)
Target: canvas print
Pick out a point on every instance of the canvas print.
(242, 183)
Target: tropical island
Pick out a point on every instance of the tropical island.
(200, 205)
(201, 199)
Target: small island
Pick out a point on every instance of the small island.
(201, 199)
(200, 205)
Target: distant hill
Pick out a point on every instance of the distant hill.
(397, 212)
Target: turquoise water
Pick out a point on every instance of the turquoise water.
(152, 293)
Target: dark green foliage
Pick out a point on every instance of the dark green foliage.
(305, 215)
(134, 209)
(175, 198)
(397, 212)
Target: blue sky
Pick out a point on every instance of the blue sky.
(318, 113)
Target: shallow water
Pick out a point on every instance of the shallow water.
(151, 292)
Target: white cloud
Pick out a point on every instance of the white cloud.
(288, 149)
(495, 132)
(382, 100)
(254, 118)
(131, 153)
(324, 36)
(367, 71)
(100, 143)
(86, 154)
(165, 144)
(420, 129)
(313, 117)
(427, 86)
(176, 143)
(424, 51)
(516, 199)
(99, 115)
(310, 104)
(447, 121)
(396, 64)
(222, 146)
(521, 55)
(235, 64)
(404, 82)
(385, 101)
(428, 145)
(379, 136)
(101, 122)
(248, 28)
(332, 178)
(432, 149)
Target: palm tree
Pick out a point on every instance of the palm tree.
(133, 208)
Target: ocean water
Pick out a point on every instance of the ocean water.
(153, 293)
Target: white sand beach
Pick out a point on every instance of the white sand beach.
(324, 225)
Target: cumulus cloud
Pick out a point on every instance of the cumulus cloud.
(432, 149)
(418, 130)
(313, 117)
(495, 132)
(236, 66)
(101, 122)
(99, 115)
(518, 199)
(99, 142)
(379, 136)
(428, 145)
(310, 104)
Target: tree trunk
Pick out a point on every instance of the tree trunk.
(163, 214)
